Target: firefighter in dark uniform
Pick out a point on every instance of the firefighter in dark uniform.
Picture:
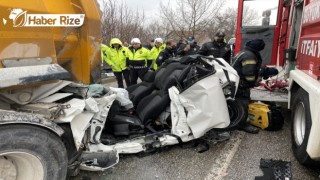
(167, 53)
(190, 48)
(216, 48)
(138, 60)
(248, 63)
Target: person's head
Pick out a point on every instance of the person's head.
(115, 43)
(219, 36)
(170, 44)
(136, 43)
(117, 46)
(190, 40)
(158, 42)
(256, 44)
(126, 44)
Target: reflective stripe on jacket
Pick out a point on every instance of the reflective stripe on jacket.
(138, 57)
(247, 63)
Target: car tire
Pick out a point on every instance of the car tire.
(237, 113)
(300, 127)
(31, 152)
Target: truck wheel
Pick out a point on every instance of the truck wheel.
(31, 152)
(300, 127)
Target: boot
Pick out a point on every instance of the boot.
(249, 128)
(223, 136)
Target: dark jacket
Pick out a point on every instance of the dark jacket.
(164, 55)
(148, 46)
(247, 63)
(217, 50)
(194, 48)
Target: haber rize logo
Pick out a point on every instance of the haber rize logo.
(18, 16)
(21, 18)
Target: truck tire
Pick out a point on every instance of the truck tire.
(300, 127)
(31, 152)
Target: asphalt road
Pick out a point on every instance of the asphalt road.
(235, 159)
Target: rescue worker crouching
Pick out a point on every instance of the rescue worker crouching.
(138, 60)
(217, 48)
(158, 47)
(116, 58)
(248, 63)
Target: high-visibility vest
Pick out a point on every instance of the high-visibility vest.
(138, 57)
(155, 53)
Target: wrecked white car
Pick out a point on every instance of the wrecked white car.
(185, 99)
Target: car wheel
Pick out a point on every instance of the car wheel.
(237, 113)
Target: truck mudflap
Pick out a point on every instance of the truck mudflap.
(11, 117)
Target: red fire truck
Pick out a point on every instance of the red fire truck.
(291, 31)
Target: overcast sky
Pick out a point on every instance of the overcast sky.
(152, 7)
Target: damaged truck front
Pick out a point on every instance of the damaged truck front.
(38, 138)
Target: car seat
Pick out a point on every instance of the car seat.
(141, 90)
(152, 105)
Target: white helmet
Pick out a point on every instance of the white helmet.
(158, 40)
(135, 40)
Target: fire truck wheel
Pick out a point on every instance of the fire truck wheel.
(31, 152)
(300, 127)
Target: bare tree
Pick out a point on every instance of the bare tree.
(118, 21)
(157, 29)
(250, 15)
(227, 21)
(190, 16)
(199, 18)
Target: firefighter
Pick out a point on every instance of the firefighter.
(168, 52)
(217, 48)
(157, 48)
(248, 63)
(190, 48)
(116, 58)
(138, 60)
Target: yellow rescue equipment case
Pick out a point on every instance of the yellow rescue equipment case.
(265, 116)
